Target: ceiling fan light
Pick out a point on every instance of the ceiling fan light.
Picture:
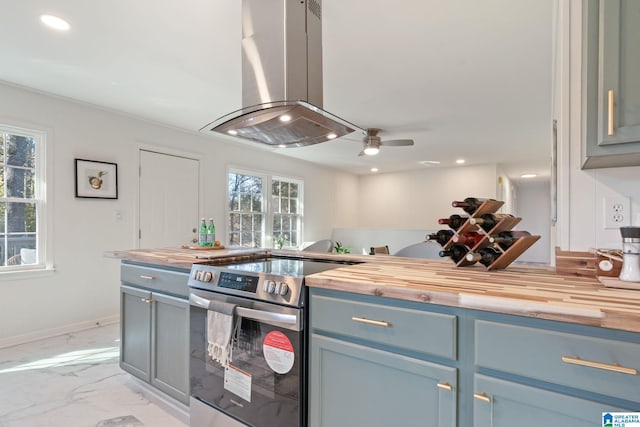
(371, 151)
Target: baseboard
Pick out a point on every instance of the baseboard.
(61, 330)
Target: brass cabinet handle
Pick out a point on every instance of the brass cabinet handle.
(143, 276)
(146, 299)
(445, 386)
(610, 130)
(599, 365)
(482, 396)
(371, 322)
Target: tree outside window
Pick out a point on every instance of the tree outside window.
(19, 202)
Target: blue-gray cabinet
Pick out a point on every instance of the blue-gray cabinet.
(135, 331)
(536, 376)
(155, 328)
(378, 361)
(503, 403)
(368, 365)
(611, 97)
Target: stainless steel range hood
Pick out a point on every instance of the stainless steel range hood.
(281, 77)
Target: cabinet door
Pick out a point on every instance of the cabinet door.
(352, 385)
(135, 331)
(611, 95)
(619, 64)
(499, 403)
(170, 346)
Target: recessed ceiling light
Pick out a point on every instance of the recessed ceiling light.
(282, 145)
(232, 132)
(331, 135)
(429, 162)
(285, 118)
(374, 169)
(460, 161)
(55, 22)
(528, 175)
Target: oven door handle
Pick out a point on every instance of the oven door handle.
(250, 313)
(267, 316)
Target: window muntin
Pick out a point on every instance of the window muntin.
(21, 200)
(245, 195)
(264, 209)
(286, 196)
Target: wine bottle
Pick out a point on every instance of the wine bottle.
(488, 221)
(455, 252)
(211, 233)
(440, 236)
(484, 256)
(469, 205)
(507, 238)
(454, 221)
(469, 239)
(202, 233)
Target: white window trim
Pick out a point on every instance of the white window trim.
(267, 180)
(44, 174)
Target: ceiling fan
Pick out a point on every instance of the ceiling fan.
(371, 142)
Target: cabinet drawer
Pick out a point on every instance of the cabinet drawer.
(414, 330)
(598, 365)
(156, 279)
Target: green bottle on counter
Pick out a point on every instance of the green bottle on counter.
(211, 233)
(202, 233)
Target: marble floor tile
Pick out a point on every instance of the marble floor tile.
(74, 380)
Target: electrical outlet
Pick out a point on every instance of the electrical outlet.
(617, 212)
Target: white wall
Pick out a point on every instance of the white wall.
(84, 287)
(399, 209)
(416, 199)
(533, 205)
(581, 192)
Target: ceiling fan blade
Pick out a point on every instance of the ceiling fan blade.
(397, 142)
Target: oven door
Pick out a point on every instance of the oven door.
(263, 384)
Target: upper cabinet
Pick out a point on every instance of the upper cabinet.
(611, 97)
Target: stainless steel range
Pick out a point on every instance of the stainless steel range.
(264, 383)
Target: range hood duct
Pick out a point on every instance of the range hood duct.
(281, 77)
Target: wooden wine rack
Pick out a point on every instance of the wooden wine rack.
(505, 224)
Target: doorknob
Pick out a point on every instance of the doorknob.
(194, 230)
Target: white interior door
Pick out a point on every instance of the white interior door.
(169, 191)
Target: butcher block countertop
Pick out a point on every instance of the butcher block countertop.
(526, 291)
(182, 257)
(521, 290)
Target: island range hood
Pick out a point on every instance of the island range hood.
(281, 77)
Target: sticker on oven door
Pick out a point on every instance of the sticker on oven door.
(238, 382)
(278, 352)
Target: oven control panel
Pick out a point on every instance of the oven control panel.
(262, 286)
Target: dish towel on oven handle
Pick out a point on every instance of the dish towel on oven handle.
(222, 326)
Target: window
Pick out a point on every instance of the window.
(21, 198)
(260, 219)
(286, 212)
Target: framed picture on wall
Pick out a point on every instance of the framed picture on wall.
(96, 180)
